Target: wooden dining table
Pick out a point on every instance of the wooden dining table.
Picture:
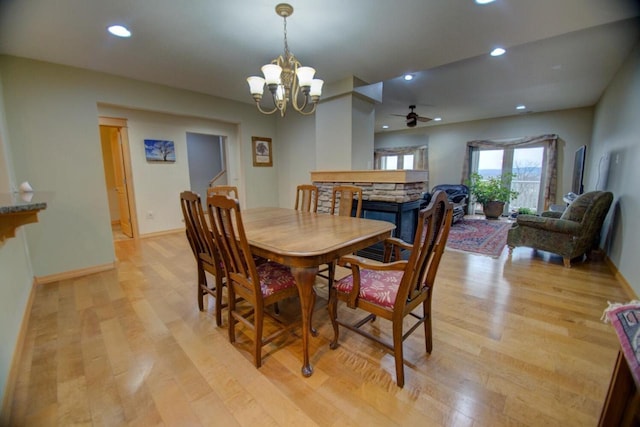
(304, 241)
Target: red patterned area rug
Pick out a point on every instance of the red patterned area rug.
(480, 236)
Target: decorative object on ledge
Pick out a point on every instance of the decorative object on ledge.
(286, 78)
(157, 150)
(14, 212)
(261, 151)
(25, 187)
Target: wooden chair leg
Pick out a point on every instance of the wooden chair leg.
(567, 262)
(257, 328)
(232, 321)
(218, 301)
(333, 316)
(428, 331)
(397, 353)
(202, 282)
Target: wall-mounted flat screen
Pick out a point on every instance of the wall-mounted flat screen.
(577, 186)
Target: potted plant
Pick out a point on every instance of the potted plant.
(522, 211)
(492, 193)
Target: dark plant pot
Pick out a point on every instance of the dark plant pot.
(493, 210)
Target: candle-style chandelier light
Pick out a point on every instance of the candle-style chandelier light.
(287, 79)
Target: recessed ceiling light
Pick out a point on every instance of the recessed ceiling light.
(498, 51)
(484, 1)
(385, 126)
(119, 30)
(521, 107)
(408, 77)
(437, 119)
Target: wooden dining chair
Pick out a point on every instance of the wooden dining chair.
(394, 288)
(227, 190)
(307, 198)
(204, 250)
(343, 198)
(260, 285)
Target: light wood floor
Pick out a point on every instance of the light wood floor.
(516, 342)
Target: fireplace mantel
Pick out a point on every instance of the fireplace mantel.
(396, 186)
(378, 176)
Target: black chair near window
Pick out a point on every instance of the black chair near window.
(458, 195)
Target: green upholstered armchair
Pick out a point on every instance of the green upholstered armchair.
(570, 234)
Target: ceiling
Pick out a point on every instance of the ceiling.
(560, 54)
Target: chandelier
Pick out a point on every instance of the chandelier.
(287, 79)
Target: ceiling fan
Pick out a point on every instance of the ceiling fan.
(413, 118)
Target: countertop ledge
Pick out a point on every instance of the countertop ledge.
(20, 202)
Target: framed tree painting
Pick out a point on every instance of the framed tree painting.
(261, 149)
(157, 150)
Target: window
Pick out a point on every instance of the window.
(532, 159)
(401, 158)
(527, 167)
(407, 159)
(389, 162)
(524, 163)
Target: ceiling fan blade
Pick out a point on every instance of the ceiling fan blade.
(399, 115)
(423, 119)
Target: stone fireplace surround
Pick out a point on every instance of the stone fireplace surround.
(393, 196)
(395, 186)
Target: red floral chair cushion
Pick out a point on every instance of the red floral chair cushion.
(377, 287)
(274, 277)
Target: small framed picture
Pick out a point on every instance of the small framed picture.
(261, 149)
(157, 150)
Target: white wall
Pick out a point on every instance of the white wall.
(295, 155)
(156, 183)
(616, 132)
(334, 134)
(16, 274)
(363, 124)
(447, 143)
(52, 124)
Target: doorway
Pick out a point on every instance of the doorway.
(207, 162)
(117, 168)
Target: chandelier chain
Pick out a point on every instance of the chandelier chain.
(286, 44)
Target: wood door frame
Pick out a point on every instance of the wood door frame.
(121, 124)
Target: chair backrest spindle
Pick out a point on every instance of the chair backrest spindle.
(307, 198)
(342, 200)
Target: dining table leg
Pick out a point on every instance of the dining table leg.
(305, 279)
